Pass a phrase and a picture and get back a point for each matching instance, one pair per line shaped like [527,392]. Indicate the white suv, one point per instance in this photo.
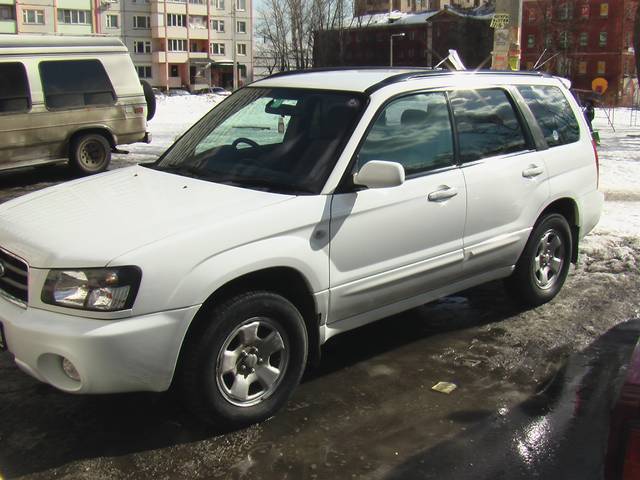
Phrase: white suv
[302,206]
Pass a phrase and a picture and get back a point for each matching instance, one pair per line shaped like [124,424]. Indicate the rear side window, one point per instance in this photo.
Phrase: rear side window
[14,88]
[75,84]
[414,131]
[553,113]
[487,124]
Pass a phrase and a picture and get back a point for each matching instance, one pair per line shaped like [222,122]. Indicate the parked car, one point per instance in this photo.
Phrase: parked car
[214,90]
[69,98]
[304,206]
[178,92]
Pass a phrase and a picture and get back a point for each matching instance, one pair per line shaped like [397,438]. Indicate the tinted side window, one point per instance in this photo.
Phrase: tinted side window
[553,113]
[414,131]
[487,124]
[14,88]
[75,83]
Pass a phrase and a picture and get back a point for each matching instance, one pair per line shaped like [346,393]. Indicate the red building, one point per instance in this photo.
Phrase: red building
[428,36]
[583,40]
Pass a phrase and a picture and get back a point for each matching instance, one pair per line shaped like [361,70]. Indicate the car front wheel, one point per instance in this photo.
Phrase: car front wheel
[241,366]
[544,264]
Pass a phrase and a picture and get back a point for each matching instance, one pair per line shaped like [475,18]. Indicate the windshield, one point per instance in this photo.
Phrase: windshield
[280,140]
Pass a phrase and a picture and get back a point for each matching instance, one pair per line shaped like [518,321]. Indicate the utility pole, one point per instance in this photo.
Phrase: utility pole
[507,25]
[391,46]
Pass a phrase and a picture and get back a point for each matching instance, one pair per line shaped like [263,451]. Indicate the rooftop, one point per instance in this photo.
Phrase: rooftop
[35,43]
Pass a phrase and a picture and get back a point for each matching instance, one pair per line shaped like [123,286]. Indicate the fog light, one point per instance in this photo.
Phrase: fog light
[70,370]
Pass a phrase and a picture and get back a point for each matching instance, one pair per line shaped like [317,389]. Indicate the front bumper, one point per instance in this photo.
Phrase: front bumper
[133,354]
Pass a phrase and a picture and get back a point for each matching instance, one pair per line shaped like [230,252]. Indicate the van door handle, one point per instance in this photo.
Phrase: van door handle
[532,171]
[443,193]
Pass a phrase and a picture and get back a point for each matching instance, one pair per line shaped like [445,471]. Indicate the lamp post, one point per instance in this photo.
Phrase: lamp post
[391,46]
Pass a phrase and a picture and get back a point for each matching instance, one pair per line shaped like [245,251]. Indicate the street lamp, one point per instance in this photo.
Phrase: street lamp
[391,46]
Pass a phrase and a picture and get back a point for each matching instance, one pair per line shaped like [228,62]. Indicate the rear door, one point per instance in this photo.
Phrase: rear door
[389,245]
[506,178]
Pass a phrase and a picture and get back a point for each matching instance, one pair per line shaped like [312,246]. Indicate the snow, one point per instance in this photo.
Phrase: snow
[619,154]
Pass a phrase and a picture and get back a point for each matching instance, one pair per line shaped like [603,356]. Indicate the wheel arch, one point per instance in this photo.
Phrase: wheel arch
[285,281]
[100,130]
[568,208]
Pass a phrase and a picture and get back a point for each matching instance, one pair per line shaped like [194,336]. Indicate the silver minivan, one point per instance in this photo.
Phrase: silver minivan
[69,98]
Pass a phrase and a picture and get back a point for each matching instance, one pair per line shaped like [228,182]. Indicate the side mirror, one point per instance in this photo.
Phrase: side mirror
[380,174]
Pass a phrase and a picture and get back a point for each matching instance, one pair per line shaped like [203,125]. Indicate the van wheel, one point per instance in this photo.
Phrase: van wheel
[150,98]
[245,362]
[544,264]
[90,153]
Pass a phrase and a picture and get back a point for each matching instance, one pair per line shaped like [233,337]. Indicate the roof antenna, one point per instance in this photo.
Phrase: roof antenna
[454,59]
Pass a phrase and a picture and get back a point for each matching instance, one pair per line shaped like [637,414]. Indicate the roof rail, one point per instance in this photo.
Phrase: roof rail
[403,77]
[339,69]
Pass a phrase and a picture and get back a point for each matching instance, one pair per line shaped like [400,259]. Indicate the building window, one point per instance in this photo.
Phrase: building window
[241,27]
[549,12]
[74,17]
[217,48]
[142,22]
[604,9]
[582,68]
[242,71]
[175,45]
[564,66]
[197,2]
[217,26]
[242,48]
[565,11]
[584,11]
[601,67]
[548,40]
[6,12]
[144,71]
[33,17]
[564,39]
[173,71]
[219,4]
[531,40]
[112,21]
[241,5]
[197,21]
[174,20]
[532,15]
[602,39]
[583,39]
[141,46]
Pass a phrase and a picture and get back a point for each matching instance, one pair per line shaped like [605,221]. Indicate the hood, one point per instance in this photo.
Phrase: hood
[88,222]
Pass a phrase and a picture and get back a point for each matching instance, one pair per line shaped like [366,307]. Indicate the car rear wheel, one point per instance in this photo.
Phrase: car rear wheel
[243,364]
[90,153]
[543,266]
[150,98]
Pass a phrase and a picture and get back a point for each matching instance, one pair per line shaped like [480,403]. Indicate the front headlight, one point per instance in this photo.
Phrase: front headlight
[102,289]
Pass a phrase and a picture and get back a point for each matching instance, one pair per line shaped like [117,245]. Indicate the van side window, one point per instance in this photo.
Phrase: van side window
[414,131]
[14,88]
[553,113]
[75,84]
[487,124]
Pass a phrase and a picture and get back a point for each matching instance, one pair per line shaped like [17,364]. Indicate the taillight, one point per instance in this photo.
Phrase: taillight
[138,110]
[595,152]
[631,467]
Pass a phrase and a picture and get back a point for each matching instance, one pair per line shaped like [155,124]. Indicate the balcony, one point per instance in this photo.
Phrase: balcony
[170,57]
[7,2]
[7,26]
[198,34]
[199,55]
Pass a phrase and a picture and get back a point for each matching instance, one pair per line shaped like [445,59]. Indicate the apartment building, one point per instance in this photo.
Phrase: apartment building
[583,40]
[173,43]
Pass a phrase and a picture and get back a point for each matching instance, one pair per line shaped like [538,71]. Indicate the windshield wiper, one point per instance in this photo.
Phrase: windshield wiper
[184,170]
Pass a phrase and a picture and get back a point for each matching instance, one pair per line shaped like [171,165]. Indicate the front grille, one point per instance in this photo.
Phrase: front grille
[14,274]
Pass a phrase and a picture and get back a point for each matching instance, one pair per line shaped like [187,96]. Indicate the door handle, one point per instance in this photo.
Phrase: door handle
[443,193]
[532,171]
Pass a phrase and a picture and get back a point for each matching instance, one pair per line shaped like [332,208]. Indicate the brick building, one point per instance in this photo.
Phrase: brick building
[587,39]
[173,43]
[428,36]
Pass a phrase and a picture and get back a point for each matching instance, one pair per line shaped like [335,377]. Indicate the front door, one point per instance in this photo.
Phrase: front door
[389,245]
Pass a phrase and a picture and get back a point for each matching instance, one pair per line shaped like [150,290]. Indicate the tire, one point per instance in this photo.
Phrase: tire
[229,371]
[544,264]
[150,98]
[90,153]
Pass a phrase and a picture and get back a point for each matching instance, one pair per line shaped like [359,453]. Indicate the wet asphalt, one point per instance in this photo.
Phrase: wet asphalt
[534,391]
